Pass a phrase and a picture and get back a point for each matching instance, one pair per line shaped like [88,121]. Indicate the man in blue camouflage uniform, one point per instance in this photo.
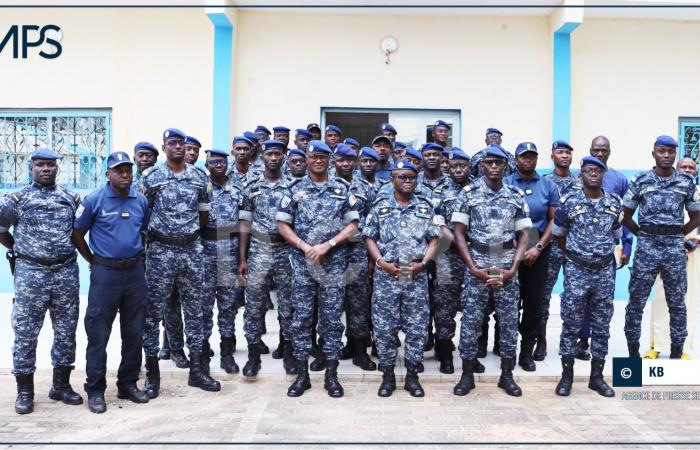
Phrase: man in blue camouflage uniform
[220,242]
[491,216]
[267,265]
[587,225]
[660,194]
[255,160]
[401,233]
[368,162]
[357,292]
[383,146]
[45,275]
[241,172]
[178,200]
[295,164]
[333,136]
[563,179]
[145,156]
[493,137]
[399,151]
[317,217]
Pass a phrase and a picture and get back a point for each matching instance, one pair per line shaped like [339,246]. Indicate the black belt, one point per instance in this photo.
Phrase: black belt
[118,263]
[661,230]
[47,261]
[486,248]
[218,234]
[183,241]
[588,263]
[264,237]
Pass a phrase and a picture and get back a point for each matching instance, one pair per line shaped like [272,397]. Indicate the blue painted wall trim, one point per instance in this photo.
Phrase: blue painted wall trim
[561,110]
[223,74]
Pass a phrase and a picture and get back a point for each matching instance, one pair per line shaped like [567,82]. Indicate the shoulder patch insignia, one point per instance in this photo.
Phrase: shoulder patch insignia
[384,210]
[337,190]
[285,201]
[15,198]
[352,200]
[79,211]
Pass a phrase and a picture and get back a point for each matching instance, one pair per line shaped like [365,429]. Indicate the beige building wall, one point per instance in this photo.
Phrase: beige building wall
[497,70]
[631,80]
[153,67]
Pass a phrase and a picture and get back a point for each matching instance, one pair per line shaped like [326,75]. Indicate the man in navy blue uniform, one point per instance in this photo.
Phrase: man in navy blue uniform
[114,215]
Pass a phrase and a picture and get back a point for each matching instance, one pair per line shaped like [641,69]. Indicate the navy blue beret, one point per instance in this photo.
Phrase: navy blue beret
[333,128]
[262,128]
[146,146]
[217,152]
[442,123]
[192,141]
[281,129]
[45,153]
[366,151]
[588,160]
[402,164]
[399,144]
[525,147]
[665,141]
[496,150]
[297,152]
[318,147]
[457,153]
[269,145]
[117,159]
[560,143]
[431,146]
[493,131]
[351,141]
[387,127]
[344,150]
[252,136]
[304,132]
[244,139]
[410,151]
[171,133]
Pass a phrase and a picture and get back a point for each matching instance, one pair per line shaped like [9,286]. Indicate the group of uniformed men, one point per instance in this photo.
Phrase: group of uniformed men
[394,237]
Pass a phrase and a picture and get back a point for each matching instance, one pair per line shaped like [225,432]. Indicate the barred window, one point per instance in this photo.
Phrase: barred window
[689,138]
[81,137]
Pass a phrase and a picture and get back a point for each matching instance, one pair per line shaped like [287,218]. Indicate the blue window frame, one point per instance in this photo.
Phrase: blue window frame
[689,138]
[82,137]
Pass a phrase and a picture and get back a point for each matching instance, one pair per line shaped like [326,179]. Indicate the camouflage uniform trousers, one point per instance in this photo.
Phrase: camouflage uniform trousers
[475,298]
[400,304]
[664,255]
[221,286]
[592,290]
[450,276]
[556,260]
[172,321]
[268,268]
[38,289]
[357,296]
[169,267]
[321,284]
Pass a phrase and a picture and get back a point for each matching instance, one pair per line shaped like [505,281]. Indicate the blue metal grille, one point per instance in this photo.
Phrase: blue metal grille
[83,138]
[690,138]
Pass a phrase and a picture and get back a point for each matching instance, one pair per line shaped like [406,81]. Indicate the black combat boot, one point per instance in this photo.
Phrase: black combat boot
[430,342]
[316,347]
[61,389]
[264,349]
[288,363]
[252,367]
[228,363]
[165,349]
[633,349]
[179,358]
[96,402]
[24,403]
[199,376]
[496,340]
[411,384]
[567,376]
[388,385]
[330,380]
[478,367]
[466,381]
[506,381]
[278,353]
[597,382]
[347,351]
[207,353]
[676,351]
[152,384]
[319,363]
[302,382]
[483,340]
[360,358]
[582,350]
[541,348]
[525,359]
[443,352]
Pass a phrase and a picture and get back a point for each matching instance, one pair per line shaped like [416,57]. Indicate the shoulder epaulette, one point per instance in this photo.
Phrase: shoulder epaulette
[342,181]
[471,187]
[516,189]
[294,182]
[687,175]
[638,175]
[148,171]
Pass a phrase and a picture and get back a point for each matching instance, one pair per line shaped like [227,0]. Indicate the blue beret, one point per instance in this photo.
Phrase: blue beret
[387,127]
[216,152]
[281,129]
[367,151]
[410,151]
[313,126]
[262,128]
[399,144]
[525,147]
[665,141]
[402,164]
[431,146]
[146,146]
[344,150]
[351,141]
[296,151]
[588,160]
[117,159]
[252,136]
[269,145]
[45,153]
[171,133]
[245,140]
[333,128]
[457,153]
[496,150]
[382,138]
[442,123]
[192,141]
[561,144]
[493,131]
[304,132]
[318,147]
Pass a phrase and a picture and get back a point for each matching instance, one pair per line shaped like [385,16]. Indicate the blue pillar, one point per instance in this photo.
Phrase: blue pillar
[223,61]
[561,111]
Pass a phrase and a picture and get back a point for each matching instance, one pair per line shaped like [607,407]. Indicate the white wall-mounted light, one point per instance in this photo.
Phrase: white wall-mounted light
[389,45]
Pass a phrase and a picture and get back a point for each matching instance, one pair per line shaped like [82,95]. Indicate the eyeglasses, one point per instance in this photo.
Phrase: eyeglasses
[592,171]
[319,157]
[218,162]
[493,162]
[174,143]
[406,178]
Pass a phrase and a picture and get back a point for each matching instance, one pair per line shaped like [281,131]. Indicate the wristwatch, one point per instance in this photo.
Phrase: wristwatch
[332,243]
[539,247]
